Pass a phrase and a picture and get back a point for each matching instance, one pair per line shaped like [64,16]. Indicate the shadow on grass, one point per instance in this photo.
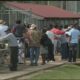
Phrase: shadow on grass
[77,64]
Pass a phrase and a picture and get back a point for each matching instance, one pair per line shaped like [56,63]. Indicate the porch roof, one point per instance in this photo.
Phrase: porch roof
[44,11]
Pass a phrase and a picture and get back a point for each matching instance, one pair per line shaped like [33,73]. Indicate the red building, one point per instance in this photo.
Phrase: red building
[41,15]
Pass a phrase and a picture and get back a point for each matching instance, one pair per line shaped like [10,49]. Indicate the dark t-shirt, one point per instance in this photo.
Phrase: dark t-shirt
[19,28]
[45,41]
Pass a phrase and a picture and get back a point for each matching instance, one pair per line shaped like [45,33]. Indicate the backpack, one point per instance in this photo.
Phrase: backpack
[45,41]
[36,36]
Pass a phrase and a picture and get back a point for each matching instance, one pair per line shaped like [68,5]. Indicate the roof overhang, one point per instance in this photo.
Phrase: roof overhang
[27,12]
[41,13]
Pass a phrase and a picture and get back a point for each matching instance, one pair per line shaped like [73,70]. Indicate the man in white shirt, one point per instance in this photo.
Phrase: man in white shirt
[74,36]
[51,46]
[3,27]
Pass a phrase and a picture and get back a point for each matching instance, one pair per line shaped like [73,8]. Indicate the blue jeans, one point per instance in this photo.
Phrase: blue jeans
[72,52]
[64,51]
[34,54]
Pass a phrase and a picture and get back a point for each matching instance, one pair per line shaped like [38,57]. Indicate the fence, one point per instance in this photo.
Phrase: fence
[10,15]
[26,16]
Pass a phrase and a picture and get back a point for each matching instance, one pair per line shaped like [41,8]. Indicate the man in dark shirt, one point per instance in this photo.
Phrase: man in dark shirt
[18,29]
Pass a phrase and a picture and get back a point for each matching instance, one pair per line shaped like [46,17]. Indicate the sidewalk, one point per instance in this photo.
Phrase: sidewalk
[25,69]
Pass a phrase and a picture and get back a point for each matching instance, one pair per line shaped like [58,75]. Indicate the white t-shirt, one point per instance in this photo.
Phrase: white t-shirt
[74,33]
[3,28]
[50,36]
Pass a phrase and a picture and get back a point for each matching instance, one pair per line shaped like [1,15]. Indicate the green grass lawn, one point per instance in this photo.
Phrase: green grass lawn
[68,71]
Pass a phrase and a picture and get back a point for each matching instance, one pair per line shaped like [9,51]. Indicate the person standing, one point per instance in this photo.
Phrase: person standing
[44,47]
[50,45]
[27,53]
[74,37]
[34,36]
[3,27]
[63,45]
[13,45]
[18,29]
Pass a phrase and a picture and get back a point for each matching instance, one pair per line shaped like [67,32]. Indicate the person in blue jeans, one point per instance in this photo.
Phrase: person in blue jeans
[73,52]
[64,48]
[74,37]
[34,55]
[34,36]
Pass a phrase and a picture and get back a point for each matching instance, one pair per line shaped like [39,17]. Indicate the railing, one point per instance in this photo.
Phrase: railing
[13,14]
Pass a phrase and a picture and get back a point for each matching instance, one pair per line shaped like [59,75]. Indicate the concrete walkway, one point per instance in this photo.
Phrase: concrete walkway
[25,69]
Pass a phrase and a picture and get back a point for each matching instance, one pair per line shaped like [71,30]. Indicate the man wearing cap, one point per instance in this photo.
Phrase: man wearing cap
[13,45]
[34,37]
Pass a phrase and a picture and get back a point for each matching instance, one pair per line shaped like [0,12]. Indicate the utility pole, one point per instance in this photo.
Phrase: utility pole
[48,2]
[2,12]
[30,15]
[64,5]
[9,16]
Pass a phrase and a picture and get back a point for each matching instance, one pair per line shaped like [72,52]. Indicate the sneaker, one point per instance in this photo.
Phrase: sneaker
[13,69]
[20,63]
[35,64]
[43,63]
[53,60]
[31,64]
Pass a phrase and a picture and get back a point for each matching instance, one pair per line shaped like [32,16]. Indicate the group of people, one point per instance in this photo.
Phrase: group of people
[67,39]
[46,42]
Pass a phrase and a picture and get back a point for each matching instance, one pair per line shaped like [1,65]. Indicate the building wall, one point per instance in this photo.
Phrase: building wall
[71,6]
[78,6]
[54,3]
[29,19]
